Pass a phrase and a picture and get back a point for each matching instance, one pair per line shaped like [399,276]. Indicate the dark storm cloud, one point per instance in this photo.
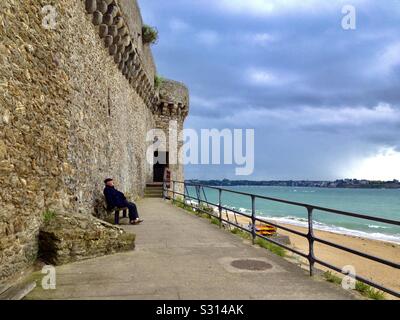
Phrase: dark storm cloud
[288,68]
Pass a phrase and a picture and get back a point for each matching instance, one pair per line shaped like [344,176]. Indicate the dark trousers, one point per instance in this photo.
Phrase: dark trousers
[133,213]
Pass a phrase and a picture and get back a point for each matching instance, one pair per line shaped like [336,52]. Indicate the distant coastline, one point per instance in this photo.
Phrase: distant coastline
[343,183]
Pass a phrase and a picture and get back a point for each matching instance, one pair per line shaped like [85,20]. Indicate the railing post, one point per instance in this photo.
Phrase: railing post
[164,190]
[173,191]
[184,193]
[220,207]
[188,196]
[198,196]
[253,218]
[198,200]
[310,237]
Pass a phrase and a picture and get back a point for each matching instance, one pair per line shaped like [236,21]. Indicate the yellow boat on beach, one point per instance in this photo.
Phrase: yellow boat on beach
[266,230]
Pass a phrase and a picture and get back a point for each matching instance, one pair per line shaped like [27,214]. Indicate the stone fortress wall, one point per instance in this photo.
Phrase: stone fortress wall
[76,103]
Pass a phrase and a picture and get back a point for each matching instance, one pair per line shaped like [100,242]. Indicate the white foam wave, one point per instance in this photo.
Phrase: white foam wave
[302,222]
[372,226]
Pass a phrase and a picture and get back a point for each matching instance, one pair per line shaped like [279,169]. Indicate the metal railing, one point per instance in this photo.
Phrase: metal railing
[310,236]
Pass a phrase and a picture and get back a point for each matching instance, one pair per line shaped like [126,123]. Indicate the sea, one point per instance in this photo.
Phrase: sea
[383,203]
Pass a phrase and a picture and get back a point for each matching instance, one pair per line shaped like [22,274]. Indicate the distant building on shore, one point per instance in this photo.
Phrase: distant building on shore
[343,183]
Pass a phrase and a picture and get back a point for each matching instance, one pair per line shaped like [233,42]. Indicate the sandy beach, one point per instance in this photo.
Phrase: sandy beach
[366,268]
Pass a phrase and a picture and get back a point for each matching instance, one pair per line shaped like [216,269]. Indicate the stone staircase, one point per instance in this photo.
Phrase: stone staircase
[153,190]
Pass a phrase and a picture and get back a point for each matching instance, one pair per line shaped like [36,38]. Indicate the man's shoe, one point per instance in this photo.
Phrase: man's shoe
[137,221]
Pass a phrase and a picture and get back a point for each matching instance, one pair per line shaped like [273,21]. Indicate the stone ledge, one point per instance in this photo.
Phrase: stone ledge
[18,292]
[73,237]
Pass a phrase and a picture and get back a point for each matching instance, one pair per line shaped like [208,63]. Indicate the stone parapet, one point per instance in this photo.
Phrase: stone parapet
[173,100]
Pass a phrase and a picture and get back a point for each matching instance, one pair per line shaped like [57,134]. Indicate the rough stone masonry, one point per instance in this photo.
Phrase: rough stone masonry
[76,101]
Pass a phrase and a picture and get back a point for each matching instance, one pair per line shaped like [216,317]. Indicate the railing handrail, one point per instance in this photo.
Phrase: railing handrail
[309,236]
[300,204]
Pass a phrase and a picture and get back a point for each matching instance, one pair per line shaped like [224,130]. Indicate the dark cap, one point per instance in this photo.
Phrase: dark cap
[108,180]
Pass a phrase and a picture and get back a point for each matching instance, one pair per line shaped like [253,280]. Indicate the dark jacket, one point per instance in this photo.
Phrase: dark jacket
[114,198]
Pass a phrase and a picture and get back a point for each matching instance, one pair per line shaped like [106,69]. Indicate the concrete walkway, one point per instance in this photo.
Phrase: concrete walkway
[181,256]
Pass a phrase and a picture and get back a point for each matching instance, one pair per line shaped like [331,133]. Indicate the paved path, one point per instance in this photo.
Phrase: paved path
[181,256]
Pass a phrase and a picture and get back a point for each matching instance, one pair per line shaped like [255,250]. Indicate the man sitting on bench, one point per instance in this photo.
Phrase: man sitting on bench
[116,199]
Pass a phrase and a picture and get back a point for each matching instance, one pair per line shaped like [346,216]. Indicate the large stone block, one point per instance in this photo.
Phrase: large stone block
[66,238]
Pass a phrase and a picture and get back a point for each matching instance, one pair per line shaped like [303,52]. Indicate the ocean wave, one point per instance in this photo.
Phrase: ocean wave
[303,190]
[242,210]
[372,226]
[302,222]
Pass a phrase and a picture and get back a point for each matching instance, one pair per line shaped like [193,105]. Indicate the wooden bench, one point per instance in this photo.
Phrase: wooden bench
[116,212]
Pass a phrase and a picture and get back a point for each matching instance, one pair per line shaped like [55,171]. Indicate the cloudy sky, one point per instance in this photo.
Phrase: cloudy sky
[324,101]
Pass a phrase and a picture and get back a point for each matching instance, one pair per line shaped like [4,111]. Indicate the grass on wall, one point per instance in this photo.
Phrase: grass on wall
[158,80]
[48,215]
[149,34]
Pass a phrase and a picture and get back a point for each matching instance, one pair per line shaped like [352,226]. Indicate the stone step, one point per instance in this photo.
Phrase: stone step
[153,189]
[154,185]
[18,292]
[153,195]
[153,192]
[156,194]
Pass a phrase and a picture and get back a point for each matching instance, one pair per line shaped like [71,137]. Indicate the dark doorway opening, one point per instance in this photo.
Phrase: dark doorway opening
[159,168]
